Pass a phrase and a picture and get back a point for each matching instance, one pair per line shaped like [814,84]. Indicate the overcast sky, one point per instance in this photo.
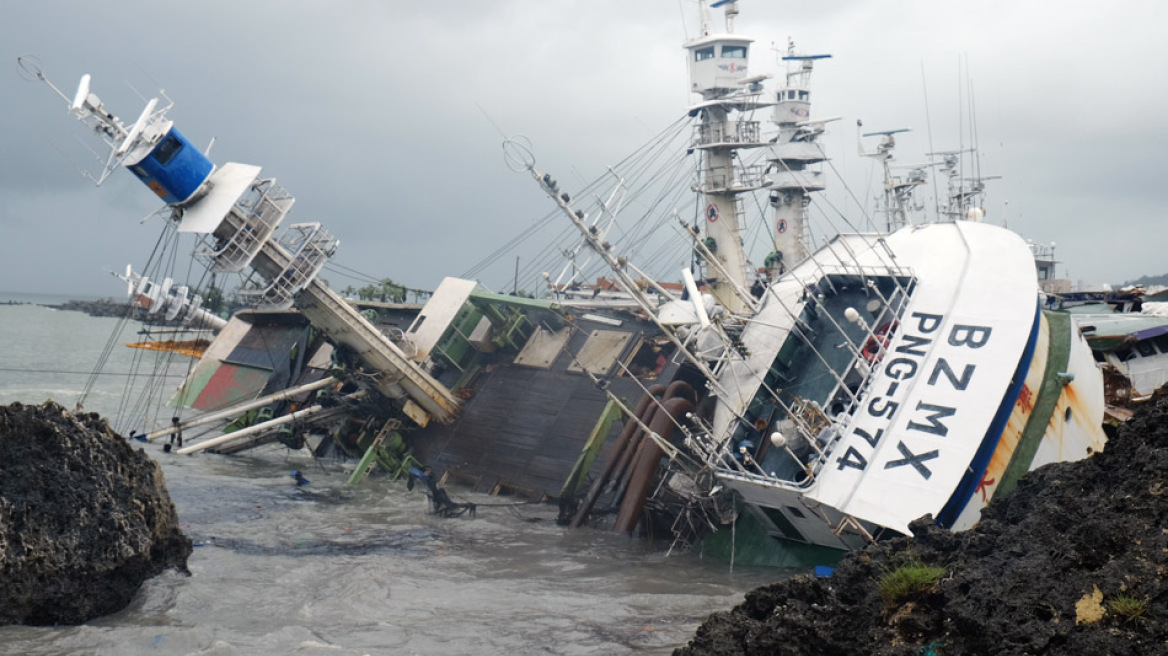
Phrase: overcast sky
[383,118]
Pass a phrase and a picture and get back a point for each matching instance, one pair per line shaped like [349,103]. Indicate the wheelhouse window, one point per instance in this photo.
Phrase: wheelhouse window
[702,54]
[1161,342]
[167,150]
[733,52]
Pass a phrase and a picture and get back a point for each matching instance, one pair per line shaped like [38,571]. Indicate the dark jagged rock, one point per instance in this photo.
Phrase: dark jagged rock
[105,307]
[1074,561]
[108,307]
[84,518]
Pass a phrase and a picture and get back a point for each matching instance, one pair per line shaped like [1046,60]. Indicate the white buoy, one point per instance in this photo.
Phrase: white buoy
[778,440]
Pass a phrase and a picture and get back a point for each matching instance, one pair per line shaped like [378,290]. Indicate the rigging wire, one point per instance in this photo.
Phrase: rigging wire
[635,167]
[929,129]
[103,357]
[973,127]
[634,237]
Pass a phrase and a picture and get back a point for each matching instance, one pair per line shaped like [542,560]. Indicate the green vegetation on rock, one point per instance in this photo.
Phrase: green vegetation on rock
[907,582]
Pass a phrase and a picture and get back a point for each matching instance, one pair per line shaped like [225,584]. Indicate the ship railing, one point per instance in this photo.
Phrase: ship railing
[764,479]
[1041,251]
[728,463]
[735,132]
[254,218]
[802,180]
[819,424]
[853,383]
[728,179]
[845,264]
[728,458]
[312,246]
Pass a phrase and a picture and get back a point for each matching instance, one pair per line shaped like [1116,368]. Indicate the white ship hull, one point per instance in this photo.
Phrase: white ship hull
[950,385]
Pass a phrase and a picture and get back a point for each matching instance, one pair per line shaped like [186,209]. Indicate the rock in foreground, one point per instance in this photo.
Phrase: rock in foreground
[84,518]
[1074,561]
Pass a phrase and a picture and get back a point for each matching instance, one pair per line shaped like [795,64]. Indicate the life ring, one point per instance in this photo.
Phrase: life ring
[874,347]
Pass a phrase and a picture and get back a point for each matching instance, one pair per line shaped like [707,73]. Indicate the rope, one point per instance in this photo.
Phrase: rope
[643,168]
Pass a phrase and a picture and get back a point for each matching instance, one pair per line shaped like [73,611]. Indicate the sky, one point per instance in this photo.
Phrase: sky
[385,119]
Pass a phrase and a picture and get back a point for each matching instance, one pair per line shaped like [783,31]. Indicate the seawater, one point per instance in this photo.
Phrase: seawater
[332,569]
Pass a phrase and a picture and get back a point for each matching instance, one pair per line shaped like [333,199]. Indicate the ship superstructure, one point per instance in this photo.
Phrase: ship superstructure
[719,71]
[897,201]
[885,377]
[881,377]
[237,214]
[793,154]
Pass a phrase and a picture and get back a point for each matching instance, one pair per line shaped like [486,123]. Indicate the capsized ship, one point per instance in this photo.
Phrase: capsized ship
[835,397]
[498,392]
[895,376]
[883,378]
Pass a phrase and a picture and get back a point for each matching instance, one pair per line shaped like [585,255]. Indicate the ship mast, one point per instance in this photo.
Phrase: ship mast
[236,212]
[897,200]
[719,72]
[964,192]
[793,152]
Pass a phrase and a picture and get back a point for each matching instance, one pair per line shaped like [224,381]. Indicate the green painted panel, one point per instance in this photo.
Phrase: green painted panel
[1044,404]
[752,546]
[230,384]
[194,385]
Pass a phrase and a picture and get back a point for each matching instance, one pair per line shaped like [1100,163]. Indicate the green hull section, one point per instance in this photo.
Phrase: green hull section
[752,546]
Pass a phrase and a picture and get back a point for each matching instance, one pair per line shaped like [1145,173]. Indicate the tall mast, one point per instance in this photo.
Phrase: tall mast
[898,190]
[236,213]
[964,192]
[793,152]
[719,71]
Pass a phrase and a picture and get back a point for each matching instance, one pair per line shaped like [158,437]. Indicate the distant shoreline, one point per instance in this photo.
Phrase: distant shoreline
[47,299]
[104,307]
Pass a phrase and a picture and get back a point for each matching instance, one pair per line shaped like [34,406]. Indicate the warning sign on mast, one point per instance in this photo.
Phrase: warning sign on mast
[711,212]
[782,226]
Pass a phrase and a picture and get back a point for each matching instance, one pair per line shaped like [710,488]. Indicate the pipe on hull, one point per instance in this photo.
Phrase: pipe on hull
[647,460]
[678,388]
[621,451]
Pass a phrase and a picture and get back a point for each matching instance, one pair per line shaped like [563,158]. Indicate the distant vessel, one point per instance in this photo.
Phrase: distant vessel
[834,396]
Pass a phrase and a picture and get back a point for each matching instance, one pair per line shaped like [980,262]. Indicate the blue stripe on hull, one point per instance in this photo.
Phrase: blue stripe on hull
[977,466]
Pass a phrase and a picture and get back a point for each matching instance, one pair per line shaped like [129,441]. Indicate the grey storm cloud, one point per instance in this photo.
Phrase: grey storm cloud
[384,119]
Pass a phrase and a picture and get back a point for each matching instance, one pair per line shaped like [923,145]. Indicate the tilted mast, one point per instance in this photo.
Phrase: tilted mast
[236,212]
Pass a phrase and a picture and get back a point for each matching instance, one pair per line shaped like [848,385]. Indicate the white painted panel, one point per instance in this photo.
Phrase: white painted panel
[228,183]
